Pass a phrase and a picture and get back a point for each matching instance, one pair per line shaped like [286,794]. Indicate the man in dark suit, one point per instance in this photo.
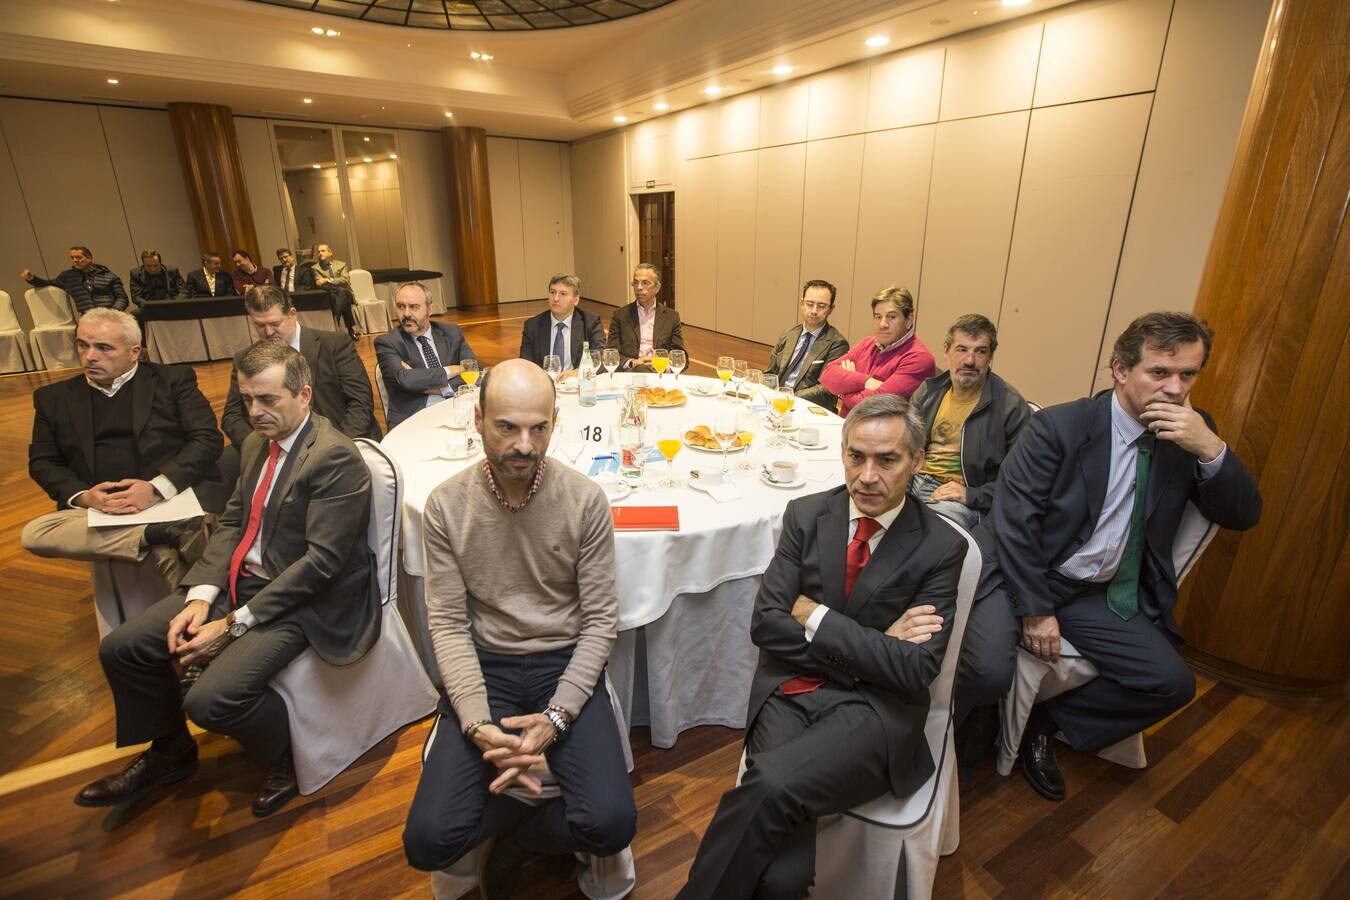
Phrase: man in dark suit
[289,568]
[644,326]
[286,274]
[152,280]
[803,350]
[420,361]
[118,438]
[849,625]
[342,392]
[562,330]
[1086,509]
[209,281]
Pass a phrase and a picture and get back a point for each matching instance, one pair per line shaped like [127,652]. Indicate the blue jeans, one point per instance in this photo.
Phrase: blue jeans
[921,488]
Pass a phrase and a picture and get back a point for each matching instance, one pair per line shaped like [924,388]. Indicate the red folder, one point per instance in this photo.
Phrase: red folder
[646,518]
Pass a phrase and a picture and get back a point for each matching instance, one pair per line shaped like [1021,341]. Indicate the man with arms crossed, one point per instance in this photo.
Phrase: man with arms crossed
[644,326]
[1086,510]
[849,622]
[803,351]
[419,361]
[523,611]
[289,568]
[561,331]
[891,361]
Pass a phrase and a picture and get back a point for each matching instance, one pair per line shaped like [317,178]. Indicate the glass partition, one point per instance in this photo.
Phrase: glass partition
[376,200]
[313,190]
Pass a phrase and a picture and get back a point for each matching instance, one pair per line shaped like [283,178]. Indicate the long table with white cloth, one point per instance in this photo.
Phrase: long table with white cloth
[193,329]
[684,656]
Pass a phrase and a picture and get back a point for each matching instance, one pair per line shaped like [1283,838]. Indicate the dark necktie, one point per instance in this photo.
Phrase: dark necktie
[558,351]
[790,374]
[288,278]
[1122,595]
[429,353]
[255,514]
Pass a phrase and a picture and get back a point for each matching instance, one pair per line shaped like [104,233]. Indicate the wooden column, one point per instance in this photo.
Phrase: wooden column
[213,171]
[1273,605]
[466,180]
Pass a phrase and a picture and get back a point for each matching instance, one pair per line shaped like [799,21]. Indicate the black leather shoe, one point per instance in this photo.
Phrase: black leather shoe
[1037,754]
[278,788]
[144,772]
[500,867]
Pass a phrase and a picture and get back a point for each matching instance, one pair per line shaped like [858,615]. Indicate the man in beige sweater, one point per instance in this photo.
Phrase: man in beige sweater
[523,610]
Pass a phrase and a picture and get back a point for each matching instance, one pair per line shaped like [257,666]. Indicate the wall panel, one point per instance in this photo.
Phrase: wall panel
[905,89]
[422,174]
[782,114]
[838,103]
[737,190]
[541,192]
[778,240]
[738,124]
[650,154]
[508,238]
[1103,51]
[696,133]
[991,73]
[1080,169]
[18,243]
[599,218]
[696,242]
[830,214]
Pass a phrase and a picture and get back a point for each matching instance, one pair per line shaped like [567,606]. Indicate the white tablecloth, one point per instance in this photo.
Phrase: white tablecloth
[689,591]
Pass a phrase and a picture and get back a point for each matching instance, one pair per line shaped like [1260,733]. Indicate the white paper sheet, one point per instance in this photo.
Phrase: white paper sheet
[183,505]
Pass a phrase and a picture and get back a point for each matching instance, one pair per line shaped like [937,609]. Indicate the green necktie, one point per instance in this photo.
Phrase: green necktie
[1122,596]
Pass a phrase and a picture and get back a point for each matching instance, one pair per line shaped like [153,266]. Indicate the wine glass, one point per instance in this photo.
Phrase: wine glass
[678,361]
[669,447]
[553,366]
[725,365]
[725,431]
[768,390]
[753,379]
[747,424]
[660,362]
[783,401]
[469,370]
[739,369]
[609,358]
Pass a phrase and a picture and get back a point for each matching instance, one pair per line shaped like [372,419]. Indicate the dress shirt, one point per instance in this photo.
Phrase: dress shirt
[161,483]
[295,338]
[211,281]
[288,278]
[885,520]
[790,378]
[553,324]
[253,563]
[646,326]
[1099,557]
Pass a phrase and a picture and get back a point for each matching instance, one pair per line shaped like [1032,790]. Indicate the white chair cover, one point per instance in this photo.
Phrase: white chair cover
[1036,680]
[13,342]
[52,339]
[338,713]
[124,590]
[371,311]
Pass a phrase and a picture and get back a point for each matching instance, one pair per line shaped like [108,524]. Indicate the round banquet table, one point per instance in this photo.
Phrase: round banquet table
[684,656]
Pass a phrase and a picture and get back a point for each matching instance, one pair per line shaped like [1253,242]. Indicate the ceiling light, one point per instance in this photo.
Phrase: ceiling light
[449,115]
[307,100]
[879,40]
[475,55]
[316,30]
[661,106]
[1016,2]
[366,159]
[619,120]
[782,70]
[393,156]
[316,166]
[712,90]
[331,33]
[366,139]
[113,81]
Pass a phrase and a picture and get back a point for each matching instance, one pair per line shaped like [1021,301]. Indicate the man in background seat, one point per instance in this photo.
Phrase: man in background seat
[644,326]
[804,350]
[209,281]
[89,284]
[419,361]
[561,330]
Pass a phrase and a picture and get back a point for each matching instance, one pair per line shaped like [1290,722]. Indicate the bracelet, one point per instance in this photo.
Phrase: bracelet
[558,717]
[473,729]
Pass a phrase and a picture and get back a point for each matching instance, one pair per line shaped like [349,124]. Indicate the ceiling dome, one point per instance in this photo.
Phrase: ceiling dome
[477,15]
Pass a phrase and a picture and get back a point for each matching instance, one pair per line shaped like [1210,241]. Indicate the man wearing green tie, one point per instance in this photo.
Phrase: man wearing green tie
[1086,510]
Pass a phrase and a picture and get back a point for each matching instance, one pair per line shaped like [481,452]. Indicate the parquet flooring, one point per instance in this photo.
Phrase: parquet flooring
[1247,794]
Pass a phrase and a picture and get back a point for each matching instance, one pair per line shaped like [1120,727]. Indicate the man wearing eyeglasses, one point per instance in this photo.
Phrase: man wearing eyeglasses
[803,351]
[644,326]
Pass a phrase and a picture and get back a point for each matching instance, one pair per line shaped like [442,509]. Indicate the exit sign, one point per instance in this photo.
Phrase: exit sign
[651,183]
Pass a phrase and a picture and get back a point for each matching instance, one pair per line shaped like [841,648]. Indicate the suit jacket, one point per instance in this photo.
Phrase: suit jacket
[1052,487]
[918,561]
[176,433]
[340,272]
[166,285]
[314,542]
[625,335]
[195,285]
[407,387]
[536,338]
[829,345]
[300,274]
[342,393]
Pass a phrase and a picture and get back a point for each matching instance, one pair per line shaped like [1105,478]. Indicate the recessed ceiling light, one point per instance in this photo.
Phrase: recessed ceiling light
[782,70]
[113,81]
[316,166]
[366,159]
[712,90]
[1016,2]
[449,115]
[316,30]
[619,120]
[393,156]
[661,106]
[331,33]
[308,100]
[366,139]
[475,55]
[879,40]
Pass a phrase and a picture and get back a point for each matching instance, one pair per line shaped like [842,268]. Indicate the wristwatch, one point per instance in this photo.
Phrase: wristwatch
[234,627]
[556,716]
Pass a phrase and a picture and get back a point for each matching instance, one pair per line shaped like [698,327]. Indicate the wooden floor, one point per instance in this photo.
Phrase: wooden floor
[1247,794]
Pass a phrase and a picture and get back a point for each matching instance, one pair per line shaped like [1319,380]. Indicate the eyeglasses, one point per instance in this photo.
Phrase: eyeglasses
[641,283]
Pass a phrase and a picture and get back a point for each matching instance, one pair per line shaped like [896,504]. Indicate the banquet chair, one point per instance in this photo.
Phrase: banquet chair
[890,846]
[53,336]
[371,312]
[1036,681]
[337,713]
[13,342]
[124,590]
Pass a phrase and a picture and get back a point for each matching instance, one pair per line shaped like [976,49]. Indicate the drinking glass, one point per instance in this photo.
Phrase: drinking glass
[609,358]
[753,379]
[469,371]
[553,366]
[669,447]
[739,369]
[725,365]
[660,362]
[747,424]
[725,431]
[768,391]
[678,361]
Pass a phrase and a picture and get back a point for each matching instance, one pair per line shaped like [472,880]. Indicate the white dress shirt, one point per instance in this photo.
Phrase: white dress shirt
[160,482]
[885,520]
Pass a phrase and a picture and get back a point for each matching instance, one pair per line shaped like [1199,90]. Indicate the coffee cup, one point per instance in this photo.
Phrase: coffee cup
[782,471]
[809,437]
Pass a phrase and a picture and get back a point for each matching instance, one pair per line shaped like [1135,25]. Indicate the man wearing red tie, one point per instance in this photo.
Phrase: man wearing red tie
[289,568]
[849,622]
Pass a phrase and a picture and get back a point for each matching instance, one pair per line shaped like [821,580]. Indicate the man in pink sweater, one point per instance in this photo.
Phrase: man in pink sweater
[892,361]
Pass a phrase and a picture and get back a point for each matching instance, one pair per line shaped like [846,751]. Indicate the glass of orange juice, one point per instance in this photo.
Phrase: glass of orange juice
[660,361]
[669,447]
[469,370]
[725,366]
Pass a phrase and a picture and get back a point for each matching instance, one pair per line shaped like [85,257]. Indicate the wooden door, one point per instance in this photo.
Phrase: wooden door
[656,239]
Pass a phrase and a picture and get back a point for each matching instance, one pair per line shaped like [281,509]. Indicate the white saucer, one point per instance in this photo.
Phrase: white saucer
[616,491]
[568,386]
[823,445]
[782,485]
[704,390]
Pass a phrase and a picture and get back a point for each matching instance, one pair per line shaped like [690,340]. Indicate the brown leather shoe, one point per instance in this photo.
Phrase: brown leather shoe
[144,772]
[278,788]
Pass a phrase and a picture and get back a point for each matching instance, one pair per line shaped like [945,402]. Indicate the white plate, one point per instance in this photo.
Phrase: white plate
[736,449]
[782,485]
[615,490]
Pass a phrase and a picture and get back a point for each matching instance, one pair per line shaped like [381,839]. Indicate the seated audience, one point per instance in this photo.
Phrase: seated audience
[644,326]
[849,622]
[152,280]
[1086,510]
[972,416]
[209,281]
[286,274]
[119,437]
[521,634]
[803,351]
[561,331]
[341,388]
[88,283]
[247,273]
[252,604]
[419,361]
[891,361]
[331,275]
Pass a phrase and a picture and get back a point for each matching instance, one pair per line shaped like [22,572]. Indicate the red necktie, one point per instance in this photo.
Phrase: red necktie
[255,513]
[857,555]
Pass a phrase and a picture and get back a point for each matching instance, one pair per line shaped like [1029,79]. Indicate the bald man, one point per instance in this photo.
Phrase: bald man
[521,637]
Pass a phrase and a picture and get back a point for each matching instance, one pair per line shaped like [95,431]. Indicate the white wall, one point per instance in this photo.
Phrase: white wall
[531,186]
[1060,174]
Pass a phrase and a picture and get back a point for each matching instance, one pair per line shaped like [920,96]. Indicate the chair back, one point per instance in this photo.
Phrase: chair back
[1194,533]
[383,390]
[363,286]
[8,321]
[386,514]
[49,306]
